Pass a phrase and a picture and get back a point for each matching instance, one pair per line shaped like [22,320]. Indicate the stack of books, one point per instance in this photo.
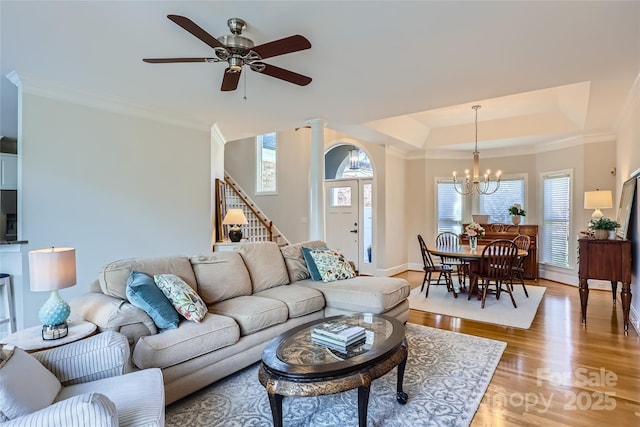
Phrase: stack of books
[338,335]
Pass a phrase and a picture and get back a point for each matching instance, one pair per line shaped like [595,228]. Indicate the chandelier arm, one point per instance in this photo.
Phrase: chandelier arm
[485,188]
[469,189]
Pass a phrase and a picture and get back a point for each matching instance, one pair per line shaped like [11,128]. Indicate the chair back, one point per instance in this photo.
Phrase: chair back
[498,259]
[426,256]
[448,240]
[522,242]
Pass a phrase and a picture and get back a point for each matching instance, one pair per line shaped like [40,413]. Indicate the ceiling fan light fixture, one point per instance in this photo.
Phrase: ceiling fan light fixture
[235,64]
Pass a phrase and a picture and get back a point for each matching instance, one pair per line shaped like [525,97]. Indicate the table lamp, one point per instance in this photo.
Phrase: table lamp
[597,200]
[50,270]
[235,218]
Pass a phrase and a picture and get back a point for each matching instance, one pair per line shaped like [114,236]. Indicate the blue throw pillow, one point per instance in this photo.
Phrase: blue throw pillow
[311,264]
[143,292]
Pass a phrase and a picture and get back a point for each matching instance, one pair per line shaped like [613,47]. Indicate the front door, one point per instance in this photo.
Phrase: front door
[342,218]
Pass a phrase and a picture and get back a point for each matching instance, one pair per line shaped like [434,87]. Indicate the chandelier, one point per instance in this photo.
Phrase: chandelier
[472,184]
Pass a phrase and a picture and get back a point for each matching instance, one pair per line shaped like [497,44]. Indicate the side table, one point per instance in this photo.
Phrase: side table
[30,339]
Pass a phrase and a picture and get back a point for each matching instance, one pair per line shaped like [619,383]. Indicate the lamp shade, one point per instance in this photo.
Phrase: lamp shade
[51,269]
[234,217]
[598,199]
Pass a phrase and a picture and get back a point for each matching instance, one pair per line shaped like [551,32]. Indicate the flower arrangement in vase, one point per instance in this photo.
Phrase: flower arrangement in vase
[516,212]
[474,231]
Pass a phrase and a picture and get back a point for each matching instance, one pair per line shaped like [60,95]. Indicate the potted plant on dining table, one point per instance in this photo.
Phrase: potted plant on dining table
[474,231]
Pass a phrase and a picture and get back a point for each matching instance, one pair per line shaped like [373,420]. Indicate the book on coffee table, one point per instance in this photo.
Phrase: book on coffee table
[345,349]
[339,331]
[321,337]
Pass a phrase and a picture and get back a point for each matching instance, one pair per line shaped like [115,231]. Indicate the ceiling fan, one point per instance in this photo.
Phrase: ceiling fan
[238,51]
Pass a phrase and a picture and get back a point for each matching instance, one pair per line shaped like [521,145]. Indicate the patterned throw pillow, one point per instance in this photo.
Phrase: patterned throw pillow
[186,301]
[311,264]
[332,265]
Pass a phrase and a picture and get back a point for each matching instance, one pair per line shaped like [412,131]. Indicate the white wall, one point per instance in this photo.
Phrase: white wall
[110,185]
[628,161]
[288,209]
[394,245]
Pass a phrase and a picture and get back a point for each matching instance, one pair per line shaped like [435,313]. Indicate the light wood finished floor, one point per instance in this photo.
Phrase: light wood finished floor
[557,373]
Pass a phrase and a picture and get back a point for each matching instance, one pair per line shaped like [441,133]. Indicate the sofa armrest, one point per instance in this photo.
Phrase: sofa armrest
[90,409]
[100,356]
[113,314]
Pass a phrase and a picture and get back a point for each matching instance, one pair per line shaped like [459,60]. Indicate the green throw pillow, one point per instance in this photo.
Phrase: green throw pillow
[143,292]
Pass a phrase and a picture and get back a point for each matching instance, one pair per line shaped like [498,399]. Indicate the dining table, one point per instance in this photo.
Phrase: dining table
[472,256]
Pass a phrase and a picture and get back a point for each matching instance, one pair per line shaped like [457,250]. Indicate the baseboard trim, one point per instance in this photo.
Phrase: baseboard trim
[392,271]
[634,319]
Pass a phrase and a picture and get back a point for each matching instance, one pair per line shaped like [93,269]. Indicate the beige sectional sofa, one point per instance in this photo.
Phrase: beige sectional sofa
[252,294]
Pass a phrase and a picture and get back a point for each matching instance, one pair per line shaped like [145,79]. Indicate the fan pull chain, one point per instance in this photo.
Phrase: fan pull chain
[245,86]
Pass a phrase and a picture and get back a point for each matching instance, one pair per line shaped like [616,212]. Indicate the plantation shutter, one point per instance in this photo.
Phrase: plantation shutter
[449,208]
[556,216]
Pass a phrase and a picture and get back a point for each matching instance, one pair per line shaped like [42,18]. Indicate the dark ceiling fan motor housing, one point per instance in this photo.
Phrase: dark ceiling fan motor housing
[238,51]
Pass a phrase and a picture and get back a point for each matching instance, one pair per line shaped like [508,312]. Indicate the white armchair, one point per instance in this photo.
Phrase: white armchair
[84,383]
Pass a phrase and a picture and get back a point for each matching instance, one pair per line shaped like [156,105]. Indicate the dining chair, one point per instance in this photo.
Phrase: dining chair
[517,272]
[450,240]
[444,271]
[496,264]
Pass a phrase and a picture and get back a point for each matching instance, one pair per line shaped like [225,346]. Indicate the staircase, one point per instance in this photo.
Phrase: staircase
[229,195]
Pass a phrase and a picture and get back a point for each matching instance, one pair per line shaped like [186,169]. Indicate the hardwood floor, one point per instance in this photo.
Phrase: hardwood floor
[557,373]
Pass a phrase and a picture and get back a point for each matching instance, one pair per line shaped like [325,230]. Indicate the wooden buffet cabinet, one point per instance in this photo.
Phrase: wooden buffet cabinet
[605,260]
[509,232]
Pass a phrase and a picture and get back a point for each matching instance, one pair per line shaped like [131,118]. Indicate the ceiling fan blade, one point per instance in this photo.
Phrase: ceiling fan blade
[194,29]
[282,74]
[230,80]
[282,46]
[170,60]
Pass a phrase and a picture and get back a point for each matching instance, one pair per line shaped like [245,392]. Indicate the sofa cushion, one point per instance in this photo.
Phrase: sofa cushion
[294,259]
[300,300]
[221,275]
[113,276]
[252,313]
[185,299]
[363,293]
[331,265]
[265,264]
[25,385]
[138,397]
[189,341]
[143,292]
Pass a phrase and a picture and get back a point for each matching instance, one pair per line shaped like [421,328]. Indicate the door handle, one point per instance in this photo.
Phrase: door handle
[353,231]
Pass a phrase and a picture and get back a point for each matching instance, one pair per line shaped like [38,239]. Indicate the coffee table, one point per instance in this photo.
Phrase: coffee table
[293,365]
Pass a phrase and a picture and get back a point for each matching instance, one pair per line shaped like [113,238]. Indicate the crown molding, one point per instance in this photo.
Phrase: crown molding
[112,104]
[395,152]
[217,135]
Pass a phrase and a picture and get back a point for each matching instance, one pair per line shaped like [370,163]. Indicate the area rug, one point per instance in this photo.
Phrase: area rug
[446,377]
[498,312]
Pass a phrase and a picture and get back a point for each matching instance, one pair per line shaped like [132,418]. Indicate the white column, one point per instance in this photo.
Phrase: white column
[316,180]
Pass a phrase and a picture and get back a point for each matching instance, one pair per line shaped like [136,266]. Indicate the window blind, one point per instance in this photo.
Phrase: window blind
[449,208]
[556,219]
[496,205]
